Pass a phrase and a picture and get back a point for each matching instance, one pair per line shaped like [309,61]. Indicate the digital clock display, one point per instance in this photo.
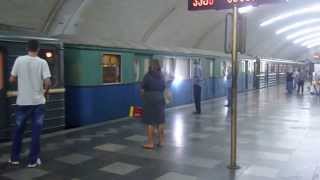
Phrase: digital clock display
[225,4]
[201,4]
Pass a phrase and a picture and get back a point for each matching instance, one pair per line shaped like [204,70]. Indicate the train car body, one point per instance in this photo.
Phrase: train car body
[52,51]
[97,83]
[102,82]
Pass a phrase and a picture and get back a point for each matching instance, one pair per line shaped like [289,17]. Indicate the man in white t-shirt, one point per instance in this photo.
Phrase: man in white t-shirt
[33,76]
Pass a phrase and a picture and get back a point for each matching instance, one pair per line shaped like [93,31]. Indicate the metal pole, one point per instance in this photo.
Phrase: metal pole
[233,157]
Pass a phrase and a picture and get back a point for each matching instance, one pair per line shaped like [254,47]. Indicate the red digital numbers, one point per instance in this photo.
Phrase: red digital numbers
[239,1]
[200,3]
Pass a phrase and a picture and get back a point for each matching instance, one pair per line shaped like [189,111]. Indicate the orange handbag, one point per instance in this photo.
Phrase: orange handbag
[136,112]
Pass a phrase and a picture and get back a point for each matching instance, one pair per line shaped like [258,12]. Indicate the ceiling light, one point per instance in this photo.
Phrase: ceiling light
[297,25]
[310,9]
[307,43]
[306,38]
[313,45]
[303,32]
[246,9]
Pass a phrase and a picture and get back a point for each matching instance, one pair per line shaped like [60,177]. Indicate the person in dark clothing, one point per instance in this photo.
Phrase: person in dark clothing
[197,80]
[152,91]
[301,77]
[289,82]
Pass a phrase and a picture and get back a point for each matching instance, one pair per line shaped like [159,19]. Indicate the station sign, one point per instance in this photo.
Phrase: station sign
[194,5]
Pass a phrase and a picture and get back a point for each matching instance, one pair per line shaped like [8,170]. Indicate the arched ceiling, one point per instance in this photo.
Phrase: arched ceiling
[165,23]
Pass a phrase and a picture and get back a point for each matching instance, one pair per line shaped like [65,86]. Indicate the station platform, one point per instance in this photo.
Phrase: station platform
[278,138]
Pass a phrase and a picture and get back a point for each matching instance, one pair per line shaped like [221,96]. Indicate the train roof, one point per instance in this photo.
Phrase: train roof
[142,46]
[23,37]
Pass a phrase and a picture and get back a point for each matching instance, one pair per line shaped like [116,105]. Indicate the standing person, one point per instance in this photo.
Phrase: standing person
[152,90]
[295,79]
[301,78]
[229,87]
[197,80]
[289,82]
[33,76]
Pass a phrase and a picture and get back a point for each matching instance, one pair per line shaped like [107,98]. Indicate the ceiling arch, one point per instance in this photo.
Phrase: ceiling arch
[165,23]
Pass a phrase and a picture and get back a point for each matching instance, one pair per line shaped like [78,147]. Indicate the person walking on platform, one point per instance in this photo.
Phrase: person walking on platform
[289,82]
[152,92]
[197,81]
[301,78]
[33,76]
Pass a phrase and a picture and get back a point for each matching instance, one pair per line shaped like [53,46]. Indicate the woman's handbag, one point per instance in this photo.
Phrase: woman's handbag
[136,112]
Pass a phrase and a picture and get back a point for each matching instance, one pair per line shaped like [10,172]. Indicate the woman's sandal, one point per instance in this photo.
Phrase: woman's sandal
[150,147]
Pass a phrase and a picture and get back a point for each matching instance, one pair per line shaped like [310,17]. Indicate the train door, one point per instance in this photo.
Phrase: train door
[277,73]
[3,106]
[52,52]
[267,74]
[255,67]
[246,70]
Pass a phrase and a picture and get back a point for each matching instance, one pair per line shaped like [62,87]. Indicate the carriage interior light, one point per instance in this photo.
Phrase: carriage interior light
[297,25]
[303,32]
[49,54]
[311,9]
[177,80]
[246,9]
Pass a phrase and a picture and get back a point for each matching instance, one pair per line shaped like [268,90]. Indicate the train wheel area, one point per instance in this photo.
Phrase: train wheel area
[277,140]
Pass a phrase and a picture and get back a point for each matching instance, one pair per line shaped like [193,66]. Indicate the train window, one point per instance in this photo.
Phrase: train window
[251,67]
[52,57]
[211,68]
[206,68]
[169,68]
[136,69]
[263,67]
[181,69]
[111,67]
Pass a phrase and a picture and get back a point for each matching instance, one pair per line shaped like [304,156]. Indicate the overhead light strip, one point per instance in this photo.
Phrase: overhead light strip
[306,38]
[307,43]
[297,25]
[313,45]
[311,9]
[303,32]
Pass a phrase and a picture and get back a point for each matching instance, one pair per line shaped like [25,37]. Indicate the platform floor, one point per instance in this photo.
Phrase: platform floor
[279,138]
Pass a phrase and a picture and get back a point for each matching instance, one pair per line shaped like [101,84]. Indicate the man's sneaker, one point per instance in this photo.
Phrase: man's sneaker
[13,162]
[38,163]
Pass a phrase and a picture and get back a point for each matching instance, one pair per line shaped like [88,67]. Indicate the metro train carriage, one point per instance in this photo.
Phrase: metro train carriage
[103,81]
[52,51]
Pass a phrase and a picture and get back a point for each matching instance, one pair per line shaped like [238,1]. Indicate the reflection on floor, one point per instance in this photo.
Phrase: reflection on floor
[279,138]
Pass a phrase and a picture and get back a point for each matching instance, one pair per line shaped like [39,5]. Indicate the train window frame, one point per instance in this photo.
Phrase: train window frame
[136,69]
[119,68]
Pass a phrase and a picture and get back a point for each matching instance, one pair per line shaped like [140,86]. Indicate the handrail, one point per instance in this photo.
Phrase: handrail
[51,91]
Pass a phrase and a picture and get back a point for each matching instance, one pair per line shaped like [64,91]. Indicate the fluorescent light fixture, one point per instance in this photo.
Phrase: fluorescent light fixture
[313,45]
[311,9]
[306,38]
[307,43]
[246,9]
[303,32]
[297,25]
